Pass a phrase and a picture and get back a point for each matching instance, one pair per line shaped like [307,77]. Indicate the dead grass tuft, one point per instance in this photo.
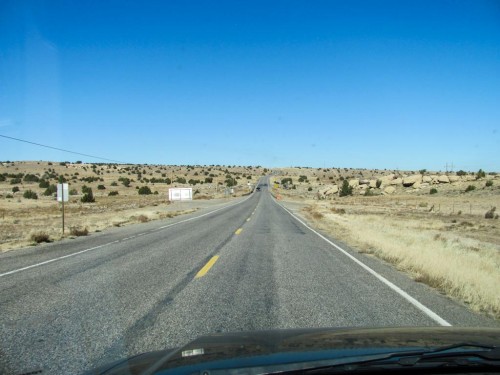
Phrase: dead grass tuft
[142,219]
[75,231]
[40,237]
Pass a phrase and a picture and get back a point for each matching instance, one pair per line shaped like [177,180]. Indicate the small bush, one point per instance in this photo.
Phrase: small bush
[480,174]
[490,214]
[461,173]
[346,189]
[144,190]
[378,184]
[9,196]
[43,184]
[101,187]
[15,189]
[75,231]
[50,190]
[112,193]
[15,181]
[114,183]
[40,237]
[30,194]
[369,193]
[470,188]
[309,188]
[489,183]
[31,178]
[433,191]
[73,192]
[88,197]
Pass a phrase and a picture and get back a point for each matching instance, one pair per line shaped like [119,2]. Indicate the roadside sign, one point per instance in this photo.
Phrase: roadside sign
[180,194]
[62,192]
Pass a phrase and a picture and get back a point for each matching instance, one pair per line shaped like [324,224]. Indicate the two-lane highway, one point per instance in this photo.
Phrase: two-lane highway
[248,266]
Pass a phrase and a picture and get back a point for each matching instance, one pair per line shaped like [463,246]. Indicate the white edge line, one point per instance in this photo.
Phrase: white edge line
[116,241]
[431,314]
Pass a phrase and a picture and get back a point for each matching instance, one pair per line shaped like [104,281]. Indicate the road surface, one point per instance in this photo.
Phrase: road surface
[67,307]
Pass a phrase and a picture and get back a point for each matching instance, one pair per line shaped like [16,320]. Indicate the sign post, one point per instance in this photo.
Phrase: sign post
[62,196]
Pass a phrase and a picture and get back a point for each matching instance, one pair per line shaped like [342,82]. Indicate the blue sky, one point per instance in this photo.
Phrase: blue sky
[369,84]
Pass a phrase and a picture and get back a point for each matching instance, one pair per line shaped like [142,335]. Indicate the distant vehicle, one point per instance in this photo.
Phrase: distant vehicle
[258,188]
[332,350]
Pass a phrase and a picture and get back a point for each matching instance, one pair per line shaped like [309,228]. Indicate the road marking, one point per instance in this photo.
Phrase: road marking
[117,241]
[51,260]
[248,219]
[206,267]
[431,314]
[238,231]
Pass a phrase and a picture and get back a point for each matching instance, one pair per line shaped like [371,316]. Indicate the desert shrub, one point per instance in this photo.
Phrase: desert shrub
[156,192]
[15,189]
[302,178]
[2,178]
[208,180]
[31,178]
[470,188]
[489,183]
[73,192]
[43,184]
[345,189]
[112,193]
[9,196]
[433,191]
[125,181]
[75,231]
[101,187]
[30,194]
[286,180]
[230,182]
[461,173]
[480,174]
[50,190]
[378,184]
[88,197]
[144,190]
[114,183]
[180,180]
[490,214]
[422,171]
[40,237]
[14,181]
[309,188]
[369,193]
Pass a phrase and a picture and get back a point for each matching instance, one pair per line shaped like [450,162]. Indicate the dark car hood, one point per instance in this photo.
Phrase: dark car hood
[264,348]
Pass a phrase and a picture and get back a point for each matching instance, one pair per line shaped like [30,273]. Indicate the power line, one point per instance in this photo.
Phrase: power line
[61,149]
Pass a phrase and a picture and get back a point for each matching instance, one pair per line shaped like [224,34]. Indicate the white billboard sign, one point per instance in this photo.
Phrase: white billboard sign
[180,194]
[62,192]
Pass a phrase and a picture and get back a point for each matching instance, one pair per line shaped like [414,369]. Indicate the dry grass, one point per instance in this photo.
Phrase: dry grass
[461,258]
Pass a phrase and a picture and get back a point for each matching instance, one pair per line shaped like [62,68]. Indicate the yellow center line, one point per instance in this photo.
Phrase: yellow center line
[207,267]
[238,231]
[248,219]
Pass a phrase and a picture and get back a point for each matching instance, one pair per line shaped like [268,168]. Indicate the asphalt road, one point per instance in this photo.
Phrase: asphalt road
[70,306]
